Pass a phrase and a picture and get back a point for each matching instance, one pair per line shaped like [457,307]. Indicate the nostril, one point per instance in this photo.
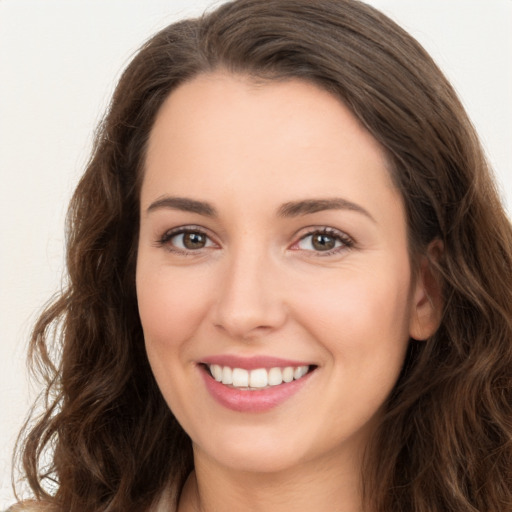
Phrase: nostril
[244,329]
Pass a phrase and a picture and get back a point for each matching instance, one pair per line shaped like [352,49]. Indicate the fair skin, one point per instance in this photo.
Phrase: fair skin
[271,228]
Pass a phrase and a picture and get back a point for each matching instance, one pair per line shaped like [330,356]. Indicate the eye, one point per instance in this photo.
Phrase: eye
[190,240]
[325,240]
[185,240]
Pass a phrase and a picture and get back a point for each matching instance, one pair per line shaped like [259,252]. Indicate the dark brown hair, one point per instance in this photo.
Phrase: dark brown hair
[445,442]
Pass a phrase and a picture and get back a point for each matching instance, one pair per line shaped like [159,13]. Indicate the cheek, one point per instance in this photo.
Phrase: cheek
[170,314]
[170,306]
[362,322]
[360,310]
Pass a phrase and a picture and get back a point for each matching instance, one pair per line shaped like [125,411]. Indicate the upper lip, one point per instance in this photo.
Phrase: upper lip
[252,363]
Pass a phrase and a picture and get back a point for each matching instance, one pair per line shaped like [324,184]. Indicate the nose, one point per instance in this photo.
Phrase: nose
[249,302]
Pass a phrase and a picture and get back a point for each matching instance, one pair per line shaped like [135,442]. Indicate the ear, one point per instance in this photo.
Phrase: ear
[427,297]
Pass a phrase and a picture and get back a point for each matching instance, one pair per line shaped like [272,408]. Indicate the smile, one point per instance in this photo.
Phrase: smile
[258,378]
[256,384]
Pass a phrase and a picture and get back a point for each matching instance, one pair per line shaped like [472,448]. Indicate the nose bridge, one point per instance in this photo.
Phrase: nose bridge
[249,300]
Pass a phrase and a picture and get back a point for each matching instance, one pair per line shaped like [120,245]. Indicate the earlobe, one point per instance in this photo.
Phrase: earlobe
[427,298]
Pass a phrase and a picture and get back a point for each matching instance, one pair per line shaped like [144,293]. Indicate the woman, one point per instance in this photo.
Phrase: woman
[289,281]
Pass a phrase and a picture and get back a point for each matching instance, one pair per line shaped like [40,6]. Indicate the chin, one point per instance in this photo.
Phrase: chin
[253,452]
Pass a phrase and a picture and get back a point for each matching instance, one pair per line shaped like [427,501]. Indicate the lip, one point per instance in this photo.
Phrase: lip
[254,401]
[252,363]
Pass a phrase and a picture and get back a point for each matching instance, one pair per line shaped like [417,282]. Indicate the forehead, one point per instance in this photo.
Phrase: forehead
[244,134]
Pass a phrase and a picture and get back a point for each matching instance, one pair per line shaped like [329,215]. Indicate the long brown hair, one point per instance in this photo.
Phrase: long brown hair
[445,442]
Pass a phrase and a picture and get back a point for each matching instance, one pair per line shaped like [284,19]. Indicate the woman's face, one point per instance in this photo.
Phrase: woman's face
[272,243]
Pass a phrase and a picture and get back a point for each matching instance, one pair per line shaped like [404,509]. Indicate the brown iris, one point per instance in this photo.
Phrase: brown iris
[323,242]
[194,240]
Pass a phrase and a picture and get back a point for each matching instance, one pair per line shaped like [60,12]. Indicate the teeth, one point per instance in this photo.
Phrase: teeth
[288,374]
[256,379]
[227,375]
[240,378]
[275,376]
[216,372]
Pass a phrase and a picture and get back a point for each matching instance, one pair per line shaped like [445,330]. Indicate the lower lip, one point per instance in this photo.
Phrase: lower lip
[260,400]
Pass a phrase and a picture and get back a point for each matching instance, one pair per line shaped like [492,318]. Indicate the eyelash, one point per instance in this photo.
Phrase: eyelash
[345,241]
[165,239]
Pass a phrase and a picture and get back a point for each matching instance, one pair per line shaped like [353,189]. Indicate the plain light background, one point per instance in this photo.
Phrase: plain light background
[59,62]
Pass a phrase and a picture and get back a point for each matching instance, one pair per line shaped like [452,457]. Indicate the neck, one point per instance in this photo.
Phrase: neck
[313,486]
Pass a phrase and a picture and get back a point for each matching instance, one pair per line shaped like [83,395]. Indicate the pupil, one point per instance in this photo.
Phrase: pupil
[323,242]
[194,240]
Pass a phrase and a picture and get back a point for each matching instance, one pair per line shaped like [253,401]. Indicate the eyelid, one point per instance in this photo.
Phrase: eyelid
[347,242]
[164,239]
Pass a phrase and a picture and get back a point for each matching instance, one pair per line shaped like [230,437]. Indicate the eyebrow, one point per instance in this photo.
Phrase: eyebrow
[309,206]
[184,204]
[289,209]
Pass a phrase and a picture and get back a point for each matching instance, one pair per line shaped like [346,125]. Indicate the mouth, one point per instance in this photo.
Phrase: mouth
[257,378]
[255,384]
